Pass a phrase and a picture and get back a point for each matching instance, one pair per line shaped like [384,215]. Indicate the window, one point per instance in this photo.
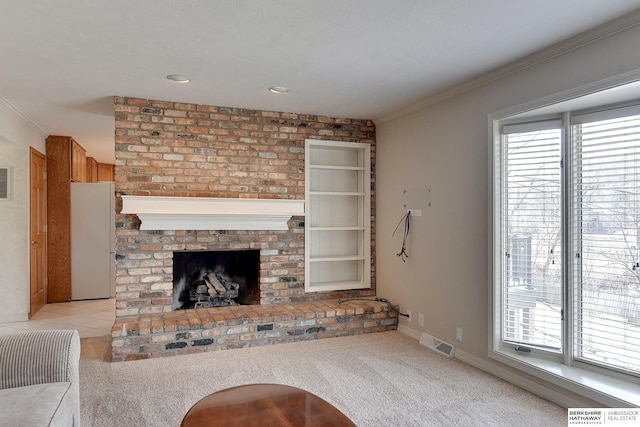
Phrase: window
[606,243]
[531,222]
[566,249]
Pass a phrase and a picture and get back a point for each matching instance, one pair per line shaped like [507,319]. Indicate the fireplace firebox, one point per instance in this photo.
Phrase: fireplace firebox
[215,278]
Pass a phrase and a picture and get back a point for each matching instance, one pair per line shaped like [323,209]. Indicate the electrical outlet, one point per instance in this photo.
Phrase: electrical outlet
[409,314]
[415,212]
[420,319]
[459,334]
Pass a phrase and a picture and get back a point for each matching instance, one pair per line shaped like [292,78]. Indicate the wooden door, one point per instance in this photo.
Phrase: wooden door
[38,221]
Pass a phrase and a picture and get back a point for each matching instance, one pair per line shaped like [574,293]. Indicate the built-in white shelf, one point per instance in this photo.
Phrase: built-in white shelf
[336,228]
[337,223]
[336,193]
[337,258]
[327,167]
[206,213]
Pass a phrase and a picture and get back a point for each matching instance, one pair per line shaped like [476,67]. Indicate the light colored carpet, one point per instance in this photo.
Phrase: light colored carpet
[380,379]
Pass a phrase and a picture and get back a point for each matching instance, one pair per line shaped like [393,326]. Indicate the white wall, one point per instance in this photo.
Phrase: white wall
[16,136]
[436,159]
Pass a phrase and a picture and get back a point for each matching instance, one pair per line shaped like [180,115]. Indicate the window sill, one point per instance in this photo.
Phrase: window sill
[609,391]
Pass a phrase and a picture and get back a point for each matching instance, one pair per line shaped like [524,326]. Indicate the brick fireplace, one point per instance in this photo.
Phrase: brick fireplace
[196,151]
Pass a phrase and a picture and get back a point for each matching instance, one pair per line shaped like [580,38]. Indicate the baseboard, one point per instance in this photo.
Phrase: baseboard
[409,332]
[505,374]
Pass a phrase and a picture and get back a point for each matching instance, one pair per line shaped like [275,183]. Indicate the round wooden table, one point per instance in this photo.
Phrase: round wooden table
[264,405]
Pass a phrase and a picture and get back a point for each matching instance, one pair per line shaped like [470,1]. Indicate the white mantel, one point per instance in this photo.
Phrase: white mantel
[204,213]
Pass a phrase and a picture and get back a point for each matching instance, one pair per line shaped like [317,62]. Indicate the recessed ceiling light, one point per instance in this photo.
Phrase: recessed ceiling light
[278,89]
[178,78]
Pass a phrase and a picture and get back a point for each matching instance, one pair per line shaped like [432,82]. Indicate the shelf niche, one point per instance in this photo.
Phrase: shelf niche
[338,215]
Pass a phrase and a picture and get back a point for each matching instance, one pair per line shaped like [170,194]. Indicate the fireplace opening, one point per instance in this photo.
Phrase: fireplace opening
[215,278]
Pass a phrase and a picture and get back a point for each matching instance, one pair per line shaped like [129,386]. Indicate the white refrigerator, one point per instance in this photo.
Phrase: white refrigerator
[92,240]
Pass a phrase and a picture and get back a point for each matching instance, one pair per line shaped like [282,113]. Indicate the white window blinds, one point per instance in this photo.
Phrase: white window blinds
[531,228]
[606,238]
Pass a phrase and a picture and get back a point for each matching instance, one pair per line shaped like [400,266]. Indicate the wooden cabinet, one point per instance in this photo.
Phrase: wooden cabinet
[99,172]
[78,162]
[66,162]
[338,215]
[105,172]
[92,170]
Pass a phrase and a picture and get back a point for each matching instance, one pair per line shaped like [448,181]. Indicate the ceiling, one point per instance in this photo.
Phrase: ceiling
[62,61]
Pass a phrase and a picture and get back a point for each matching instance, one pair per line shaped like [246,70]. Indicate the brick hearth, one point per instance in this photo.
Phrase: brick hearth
[207,329]
[173,149]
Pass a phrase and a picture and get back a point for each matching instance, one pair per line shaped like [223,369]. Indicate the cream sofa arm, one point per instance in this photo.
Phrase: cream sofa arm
[39,357]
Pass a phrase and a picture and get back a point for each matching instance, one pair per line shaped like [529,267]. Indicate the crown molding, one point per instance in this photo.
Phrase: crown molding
[573,93]
[4,103]
[594,35]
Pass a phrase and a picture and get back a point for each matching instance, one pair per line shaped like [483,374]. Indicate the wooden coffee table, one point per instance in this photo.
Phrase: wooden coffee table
[264,405]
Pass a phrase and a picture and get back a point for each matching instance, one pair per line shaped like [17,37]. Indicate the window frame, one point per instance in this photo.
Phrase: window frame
[599,384]
[599,113]
[545,122]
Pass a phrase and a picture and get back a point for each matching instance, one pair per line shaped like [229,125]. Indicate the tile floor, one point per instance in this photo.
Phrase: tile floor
[91,318]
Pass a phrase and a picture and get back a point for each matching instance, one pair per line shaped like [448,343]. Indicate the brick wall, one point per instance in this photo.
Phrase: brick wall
[176,149]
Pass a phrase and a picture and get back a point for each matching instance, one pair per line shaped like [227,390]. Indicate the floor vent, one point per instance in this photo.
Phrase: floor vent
[437,345]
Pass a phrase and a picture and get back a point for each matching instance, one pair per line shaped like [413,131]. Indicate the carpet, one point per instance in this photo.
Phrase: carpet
[380,379]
